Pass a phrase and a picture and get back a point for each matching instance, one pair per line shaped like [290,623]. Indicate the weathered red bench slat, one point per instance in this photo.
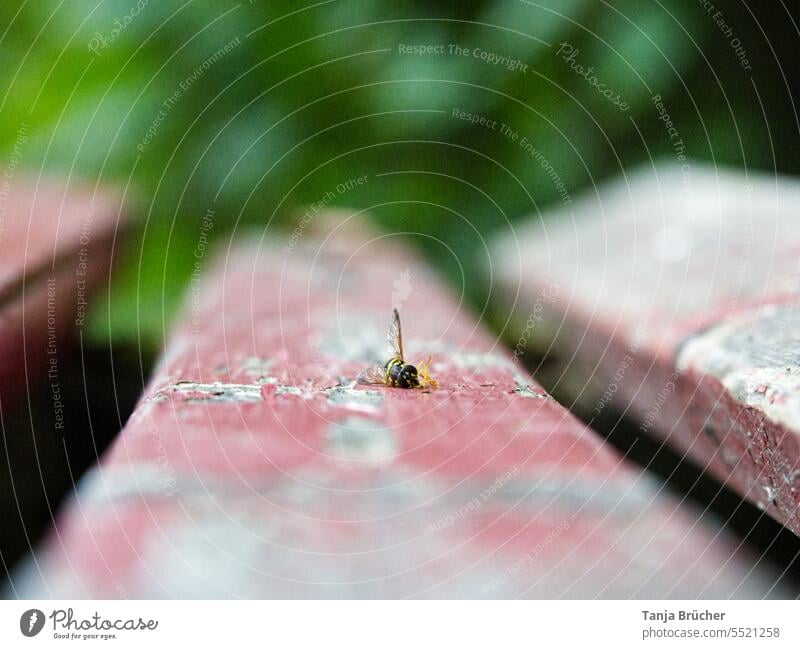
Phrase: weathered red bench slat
[255,467]
[677,288]
[56,244]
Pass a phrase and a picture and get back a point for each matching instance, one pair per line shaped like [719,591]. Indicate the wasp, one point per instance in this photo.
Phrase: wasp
[396,372]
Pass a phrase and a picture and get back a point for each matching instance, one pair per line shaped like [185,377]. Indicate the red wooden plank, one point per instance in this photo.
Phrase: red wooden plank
[679,287]
[56,245]
[255,467]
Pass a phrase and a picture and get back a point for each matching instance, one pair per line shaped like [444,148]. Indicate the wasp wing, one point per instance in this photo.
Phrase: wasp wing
[395,336]
[373,375]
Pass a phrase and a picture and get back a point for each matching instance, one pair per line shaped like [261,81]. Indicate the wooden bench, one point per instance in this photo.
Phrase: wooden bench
[675,290]
[254,466]
[56,245]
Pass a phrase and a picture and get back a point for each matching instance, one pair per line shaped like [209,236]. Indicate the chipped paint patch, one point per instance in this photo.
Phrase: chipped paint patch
[357,439]
[578,495]
[773,391]
[475,362]
[273,388]
[256,366]
[361,338]
[101,485]
[530,391]
[290,389]
[756,356]
[348,397]
[192,392]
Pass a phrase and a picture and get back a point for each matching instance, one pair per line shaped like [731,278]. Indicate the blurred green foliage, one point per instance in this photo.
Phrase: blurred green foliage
[255,109]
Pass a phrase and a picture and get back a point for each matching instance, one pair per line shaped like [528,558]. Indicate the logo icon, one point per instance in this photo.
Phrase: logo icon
[402,289]
[31,622]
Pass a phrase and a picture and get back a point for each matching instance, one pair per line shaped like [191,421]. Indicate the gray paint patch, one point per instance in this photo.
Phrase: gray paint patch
[756,356]
[530,392]
[256,366]
[361,338]
[220,392]
[357,439]
[289,389]
[476,361]
[346,396]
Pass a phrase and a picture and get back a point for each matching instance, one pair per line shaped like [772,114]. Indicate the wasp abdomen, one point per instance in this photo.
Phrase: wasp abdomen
[402,375]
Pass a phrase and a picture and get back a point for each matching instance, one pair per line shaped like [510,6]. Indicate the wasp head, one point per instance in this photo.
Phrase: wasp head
[408,377]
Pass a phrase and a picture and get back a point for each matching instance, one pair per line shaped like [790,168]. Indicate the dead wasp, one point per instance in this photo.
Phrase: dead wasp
[397,373]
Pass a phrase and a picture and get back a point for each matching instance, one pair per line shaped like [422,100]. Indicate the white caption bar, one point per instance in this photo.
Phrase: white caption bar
[405,625]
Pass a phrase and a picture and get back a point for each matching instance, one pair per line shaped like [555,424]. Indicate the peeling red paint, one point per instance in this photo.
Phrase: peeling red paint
[701,334]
